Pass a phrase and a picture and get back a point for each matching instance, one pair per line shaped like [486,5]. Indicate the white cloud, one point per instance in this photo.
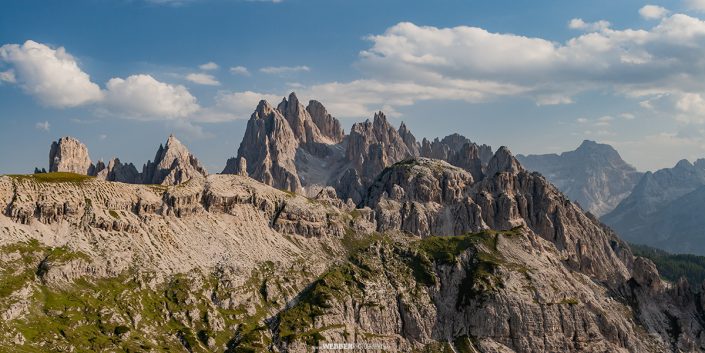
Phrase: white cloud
[203,79]
[235,105]
[276,70]
[555,99]
[42,125]
[653,12]
[582,120]
[8,76]
[143,97]
[102,136]
[578,23]
[696,5]
[692,108]
[627,116]
[240,70]
[667,59]
[209,66]
[51,75]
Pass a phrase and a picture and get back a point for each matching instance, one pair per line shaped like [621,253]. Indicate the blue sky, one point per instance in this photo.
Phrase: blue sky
[537,76]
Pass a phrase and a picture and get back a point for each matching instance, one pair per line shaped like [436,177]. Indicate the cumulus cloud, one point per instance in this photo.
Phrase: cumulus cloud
[666,59]
[42,125]
[143,97]
[203,79]
[696,5]
[691,107]
[209,66]
[49,74]
[8,76]
[53,76]
[653,12]
[235,105]
[240,70]
[579,23]
[276,70]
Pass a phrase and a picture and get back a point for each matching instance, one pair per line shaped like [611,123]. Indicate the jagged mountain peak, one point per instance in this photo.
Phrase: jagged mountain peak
[503,161]
[328,126]
[173,164]
[262,110]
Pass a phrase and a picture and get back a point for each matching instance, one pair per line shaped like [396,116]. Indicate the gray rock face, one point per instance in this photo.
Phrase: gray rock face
[328,126]
[312,150]
[117,171]
[664,210]
[173,164]
[374,145]
[70,155]
[269,147]
[446,148]
[409,140]
[430,197]
[594,175]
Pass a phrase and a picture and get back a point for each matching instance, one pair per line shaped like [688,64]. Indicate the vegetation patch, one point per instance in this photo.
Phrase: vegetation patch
[674,266]
[569,301]
[297,322]
[54,177]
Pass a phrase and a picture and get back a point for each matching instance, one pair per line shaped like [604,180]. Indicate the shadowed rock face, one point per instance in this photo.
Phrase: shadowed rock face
[70,155]
[594,175]
[117,171]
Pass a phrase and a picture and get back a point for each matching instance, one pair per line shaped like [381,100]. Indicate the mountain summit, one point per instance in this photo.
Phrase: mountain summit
[594,175]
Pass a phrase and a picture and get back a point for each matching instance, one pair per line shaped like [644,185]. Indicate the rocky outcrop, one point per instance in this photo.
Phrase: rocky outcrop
[374,145]
[594,175]
[70,155]
[328,126]
[269,148]
[173,164]
[409,139]
[430,197]
[117,171]
[447,148]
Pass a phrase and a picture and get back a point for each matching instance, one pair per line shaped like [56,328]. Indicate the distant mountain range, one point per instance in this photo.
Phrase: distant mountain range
[594,175]
[665,209]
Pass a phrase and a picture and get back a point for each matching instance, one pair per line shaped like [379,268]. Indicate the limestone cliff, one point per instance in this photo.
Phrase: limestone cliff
[70,155]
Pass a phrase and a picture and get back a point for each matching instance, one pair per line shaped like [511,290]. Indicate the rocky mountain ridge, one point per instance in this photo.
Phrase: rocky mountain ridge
[173,164]
[314,237]
[664,209]
[594,175]
[520,267]
[303,149]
